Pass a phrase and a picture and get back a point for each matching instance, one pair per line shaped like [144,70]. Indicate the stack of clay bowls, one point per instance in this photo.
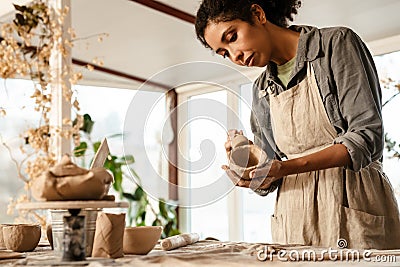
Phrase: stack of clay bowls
[141,240]
[19,237]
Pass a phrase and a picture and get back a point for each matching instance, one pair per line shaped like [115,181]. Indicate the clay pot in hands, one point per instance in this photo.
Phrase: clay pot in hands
[239,140]
[245,157]
[21,237]
[141,240]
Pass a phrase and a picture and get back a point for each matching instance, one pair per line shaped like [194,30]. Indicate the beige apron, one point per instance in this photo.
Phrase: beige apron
[319,207]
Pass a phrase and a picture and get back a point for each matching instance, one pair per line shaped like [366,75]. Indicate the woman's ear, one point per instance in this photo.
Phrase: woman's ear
[258,14]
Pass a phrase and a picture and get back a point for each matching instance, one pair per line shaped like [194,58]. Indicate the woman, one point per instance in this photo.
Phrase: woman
[317,104]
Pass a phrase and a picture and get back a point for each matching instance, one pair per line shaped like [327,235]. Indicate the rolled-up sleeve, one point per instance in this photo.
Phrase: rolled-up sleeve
[359,98]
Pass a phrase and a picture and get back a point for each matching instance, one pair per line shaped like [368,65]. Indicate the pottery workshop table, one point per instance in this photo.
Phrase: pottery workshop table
[211,253]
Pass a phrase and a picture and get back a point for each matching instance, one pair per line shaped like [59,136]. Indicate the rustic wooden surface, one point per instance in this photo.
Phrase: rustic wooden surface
[203,253]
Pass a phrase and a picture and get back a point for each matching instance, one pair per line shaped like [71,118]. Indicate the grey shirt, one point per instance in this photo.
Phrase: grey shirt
[348,85]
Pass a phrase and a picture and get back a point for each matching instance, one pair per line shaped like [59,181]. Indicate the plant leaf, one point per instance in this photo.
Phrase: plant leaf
[163,210]
[129,196]
[141,224]
[87,124]
[126,160]
[156,222]
[167,229]
[139,193]
[80,150]
[117,173]
[19,8]
[173,232]
[96,146]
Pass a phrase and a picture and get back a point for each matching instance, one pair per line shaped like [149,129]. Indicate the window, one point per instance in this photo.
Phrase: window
[257,210]
[107,108]
[388,67]
[20,116]
[207,120]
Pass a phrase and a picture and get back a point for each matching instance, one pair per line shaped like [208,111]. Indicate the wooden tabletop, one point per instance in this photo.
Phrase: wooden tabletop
[79,204]
[206,253]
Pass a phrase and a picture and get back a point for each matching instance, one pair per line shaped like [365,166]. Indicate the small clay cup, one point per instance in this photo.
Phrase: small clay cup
[141,240]
[21,237]
[239,140]
[245,158]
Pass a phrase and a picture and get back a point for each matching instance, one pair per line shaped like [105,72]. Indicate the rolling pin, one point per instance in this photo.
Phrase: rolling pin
[179,241]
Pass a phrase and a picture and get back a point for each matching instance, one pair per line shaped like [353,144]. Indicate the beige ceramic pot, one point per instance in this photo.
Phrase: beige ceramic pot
[21,237]
[141,240]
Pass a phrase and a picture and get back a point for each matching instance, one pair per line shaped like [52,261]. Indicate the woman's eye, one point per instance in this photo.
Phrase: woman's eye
[233,37]
[225,54]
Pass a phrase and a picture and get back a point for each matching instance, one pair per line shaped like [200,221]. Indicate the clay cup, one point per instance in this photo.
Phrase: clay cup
[245,158]
[21,237]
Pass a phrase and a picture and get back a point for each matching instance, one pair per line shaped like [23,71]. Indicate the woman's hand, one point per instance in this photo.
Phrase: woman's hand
[262,178]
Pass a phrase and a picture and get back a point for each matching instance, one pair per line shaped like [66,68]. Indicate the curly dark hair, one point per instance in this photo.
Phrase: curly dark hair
[278,12]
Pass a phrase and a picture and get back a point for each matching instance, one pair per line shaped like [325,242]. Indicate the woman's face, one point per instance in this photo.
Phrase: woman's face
[244,44]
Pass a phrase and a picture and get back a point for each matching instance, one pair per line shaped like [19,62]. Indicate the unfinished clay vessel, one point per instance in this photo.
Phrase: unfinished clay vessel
[245,157]
[109,235]
[67,181]
[21,237]
[239,140]
[141,240]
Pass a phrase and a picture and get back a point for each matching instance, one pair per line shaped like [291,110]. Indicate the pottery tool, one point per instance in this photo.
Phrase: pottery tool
[179,241]
[6,254]
[101,155]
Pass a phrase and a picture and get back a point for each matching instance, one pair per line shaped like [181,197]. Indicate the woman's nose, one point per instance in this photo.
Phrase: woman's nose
[237,56]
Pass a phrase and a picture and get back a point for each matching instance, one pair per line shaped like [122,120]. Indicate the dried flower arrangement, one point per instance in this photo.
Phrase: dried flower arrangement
[26,45]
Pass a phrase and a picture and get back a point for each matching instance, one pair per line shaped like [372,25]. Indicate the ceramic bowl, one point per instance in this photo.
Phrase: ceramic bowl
[141,240]
[21,237]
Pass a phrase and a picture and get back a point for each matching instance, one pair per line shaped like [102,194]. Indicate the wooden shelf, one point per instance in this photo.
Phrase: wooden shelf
[79,204]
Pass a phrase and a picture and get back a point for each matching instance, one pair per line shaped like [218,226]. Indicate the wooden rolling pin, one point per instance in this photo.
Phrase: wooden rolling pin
[179,241]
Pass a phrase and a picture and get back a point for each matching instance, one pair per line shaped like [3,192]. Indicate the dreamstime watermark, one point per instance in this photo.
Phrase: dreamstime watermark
[331,254]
